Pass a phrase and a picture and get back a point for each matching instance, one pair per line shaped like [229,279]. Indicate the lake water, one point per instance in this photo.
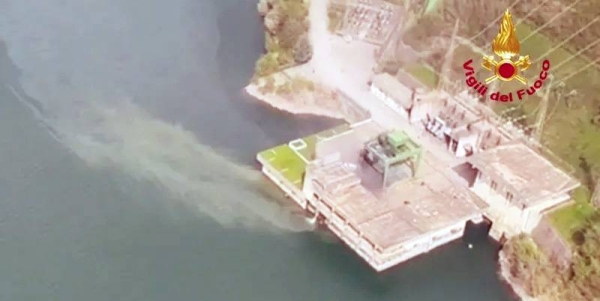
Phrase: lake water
[127,168]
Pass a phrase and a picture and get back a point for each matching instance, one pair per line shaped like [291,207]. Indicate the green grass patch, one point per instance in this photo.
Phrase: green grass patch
[424,74]
[284,160]
[569,219]
[311,141]
[290,163]
[537,47]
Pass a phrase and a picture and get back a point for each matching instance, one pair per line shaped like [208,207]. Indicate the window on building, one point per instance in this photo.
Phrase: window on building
[494,185]
[509,196]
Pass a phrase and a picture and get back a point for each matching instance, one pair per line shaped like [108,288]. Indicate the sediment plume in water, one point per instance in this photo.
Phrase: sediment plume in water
[126,137]
[76,67]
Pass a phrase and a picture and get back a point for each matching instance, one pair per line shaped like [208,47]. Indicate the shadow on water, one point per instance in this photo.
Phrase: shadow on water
[205,93]
[452,264]
[236,68]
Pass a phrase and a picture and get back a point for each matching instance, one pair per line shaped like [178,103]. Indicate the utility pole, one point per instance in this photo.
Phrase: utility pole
[539,123]
[494,86]
[448,58]
[430,6]
[596,195]
[389,48]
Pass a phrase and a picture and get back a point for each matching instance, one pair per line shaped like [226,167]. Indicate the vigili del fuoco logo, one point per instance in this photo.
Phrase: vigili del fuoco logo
[506,46]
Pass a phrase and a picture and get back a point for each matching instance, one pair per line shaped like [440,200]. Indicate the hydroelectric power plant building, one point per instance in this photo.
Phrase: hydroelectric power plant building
[394,193]
[414,167]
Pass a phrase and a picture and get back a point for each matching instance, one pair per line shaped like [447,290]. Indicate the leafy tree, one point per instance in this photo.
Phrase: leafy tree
[294,9]
[266,65]
[539,276]
[290,32]
[274,19]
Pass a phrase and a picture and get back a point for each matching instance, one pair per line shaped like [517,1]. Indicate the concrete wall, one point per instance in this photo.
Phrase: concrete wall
[347,142]
[389,101]
[507,216]
[353,111]
[536,213]
[499,189]
[340,227]
[289,188]
[423,244]
[380,260]
[465,142]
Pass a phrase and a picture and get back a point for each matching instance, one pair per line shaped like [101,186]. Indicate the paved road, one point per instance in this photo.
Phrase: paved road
[353,80]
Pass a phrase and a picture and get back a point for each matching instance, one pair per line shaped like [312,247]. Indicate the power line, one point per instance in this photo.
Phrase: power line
[579,52]
[448,57]
[597,60]
[569,38]
[566,40]
[493,23]
[510,109]
[531,12]
[453,47]
[524,18]
[549,21]
[595,199]
[561,95]
[553,111]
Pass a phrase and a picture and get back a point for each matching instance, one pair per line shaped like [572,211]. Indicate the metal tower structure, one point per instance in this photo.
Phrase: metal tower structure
[448,58]
[595,200]
[391,153]
[541,117]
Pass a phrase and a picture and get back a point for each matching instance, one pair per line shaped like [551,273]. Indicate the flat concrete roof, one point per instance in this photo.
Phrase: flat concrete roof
[530,176]
[432,202]
[408,209]
[401,212]
[456,115]
[390,85]
[349,143]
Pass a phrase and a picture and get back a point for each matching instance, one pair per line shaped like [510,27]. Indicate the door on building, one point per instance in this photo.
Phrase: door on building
[453,146]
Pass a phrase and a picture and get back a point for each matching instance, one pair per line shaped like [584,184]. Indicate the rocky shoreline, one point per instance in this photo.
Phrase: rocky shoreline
[282,104]
[504,272]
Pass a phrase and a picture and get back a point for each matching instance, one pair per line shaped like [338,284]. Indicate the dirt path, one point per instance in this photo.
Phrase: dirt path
[319,35]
